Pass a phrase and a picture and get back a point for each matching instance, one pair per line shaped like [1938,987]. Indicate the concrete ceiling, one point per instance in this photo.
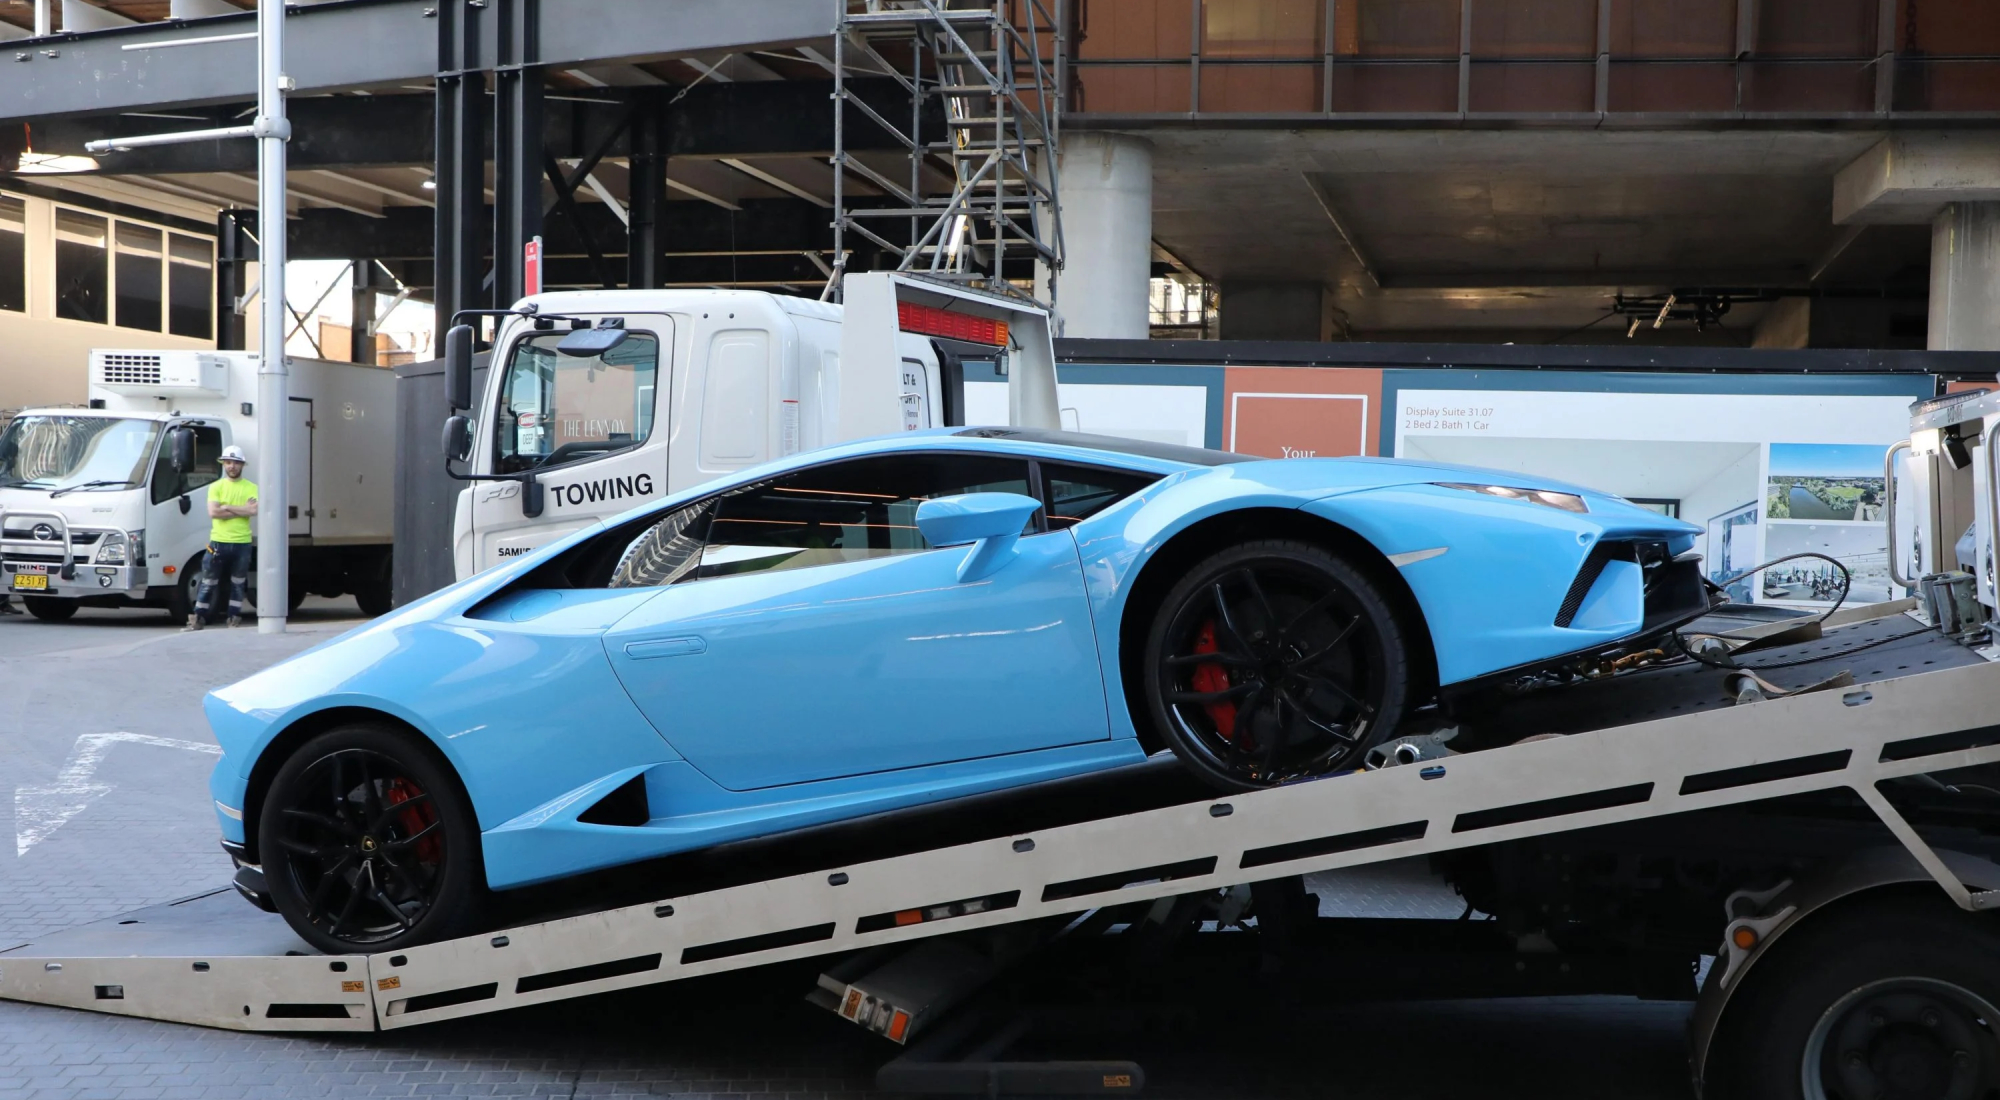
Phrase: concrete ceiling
[1520,228]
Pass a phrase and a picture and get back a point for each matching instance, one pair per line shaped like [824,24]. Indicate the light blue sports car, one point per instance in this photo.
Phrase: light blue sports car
[899,621]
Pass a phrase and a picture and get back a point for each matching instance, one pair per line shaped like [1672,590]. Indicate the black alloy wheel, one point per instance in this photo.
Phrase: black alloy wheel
[1274,661]
[367,844]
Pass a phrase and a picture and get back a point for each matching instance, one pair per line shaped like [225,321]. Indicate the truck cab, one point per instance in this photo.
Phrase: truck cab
[122,482]
[598,401]
[92,506]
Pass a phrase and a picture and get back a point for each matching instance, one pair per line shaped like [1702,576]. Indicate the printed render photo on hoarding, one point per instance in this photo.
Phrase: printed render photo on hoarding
[1730,461]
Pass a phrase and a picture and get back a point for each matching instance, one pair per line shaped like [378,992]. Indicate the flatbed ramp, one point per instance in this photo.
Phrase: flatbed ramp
[215,961]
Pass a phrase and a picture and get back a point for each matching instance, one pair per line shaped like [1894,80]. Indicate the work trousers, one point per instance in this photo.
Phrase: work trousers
[224,559]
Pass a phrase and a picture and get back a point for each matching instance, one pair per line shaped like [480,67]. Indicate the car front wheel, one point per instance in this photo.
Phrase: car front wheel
[368,844]
[1274,661]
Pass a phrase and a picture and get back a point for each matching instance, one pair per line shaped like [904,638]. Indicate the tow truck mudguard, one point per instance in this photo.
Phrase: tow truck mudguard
[1768,917]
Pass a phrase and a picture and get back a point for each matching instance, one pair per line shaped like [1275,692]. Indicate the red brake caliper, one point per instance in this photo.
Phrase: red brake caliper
[1208,678]
[415,819]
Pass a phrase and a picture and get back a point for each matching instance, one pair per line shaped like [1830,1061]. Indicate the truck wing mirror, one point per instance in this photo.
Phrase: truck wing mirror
[457,439]
[180,449]
[186,504]
[458,366]
[585,342]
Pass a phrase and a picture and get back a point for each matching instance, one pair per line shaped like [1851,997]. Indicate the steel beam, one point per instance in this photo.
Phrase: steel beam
[517,145]
[230,256]
[335,132]
[646,185]
[460,164]
[371,43]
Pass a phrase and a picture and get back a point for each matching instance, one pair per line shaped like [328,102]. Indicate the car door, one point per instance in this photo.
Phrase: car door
[820,636]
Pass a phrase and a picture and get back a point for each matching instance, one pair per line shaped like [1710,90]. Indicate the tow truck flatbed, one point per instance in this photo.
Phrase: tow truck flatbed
[1639,746]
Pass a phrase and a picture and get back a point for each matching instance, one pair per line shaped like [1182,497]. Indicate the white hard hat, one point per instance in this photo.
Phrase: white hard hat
[233,453]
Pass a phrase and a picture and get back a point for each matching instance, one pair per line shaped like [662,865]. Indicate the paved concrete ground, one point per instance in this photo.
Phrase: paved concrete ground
[141,833]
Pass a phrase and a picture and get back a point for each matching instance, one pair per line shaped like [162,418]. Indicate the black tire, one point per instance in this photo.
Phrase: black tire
[373,584]
[50,609]
[368,844]
[1291,634]
[1895,996]
[180,595]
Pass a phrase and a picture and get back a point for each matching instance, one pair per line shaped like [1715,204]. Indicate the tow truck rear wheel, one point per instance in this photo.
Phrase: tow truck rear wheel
[368,844]
[50,609]
[1273,661]
[1895,997]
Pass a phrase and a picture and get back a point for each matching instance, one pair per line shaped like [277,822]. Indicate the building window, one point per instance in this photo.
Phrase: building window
[13,254]
[190,286]
[139,277]
[80,266]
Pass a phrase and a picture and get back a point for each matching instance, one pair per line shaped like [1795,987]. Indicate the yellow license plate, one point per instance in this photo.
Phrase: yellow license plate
[31,580]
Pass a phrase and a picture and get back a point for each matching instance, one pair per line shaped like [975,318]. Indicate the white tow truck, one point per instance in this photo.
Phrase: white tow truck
[598,401]
[1807,817]
[104,505]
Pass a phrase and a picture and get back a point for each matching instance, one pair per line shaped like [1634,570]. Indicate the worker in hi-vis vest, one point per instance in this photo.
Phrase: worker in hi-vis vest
[232,501]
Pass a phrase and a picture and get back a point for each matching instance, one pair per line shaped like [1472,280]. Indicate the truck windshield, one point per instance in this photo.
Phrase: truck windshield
[557,408]
[40,451]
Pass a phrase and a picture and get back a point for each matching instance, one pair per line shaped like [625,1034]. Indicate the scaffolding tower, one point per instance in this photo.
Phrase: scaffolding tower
[978,198]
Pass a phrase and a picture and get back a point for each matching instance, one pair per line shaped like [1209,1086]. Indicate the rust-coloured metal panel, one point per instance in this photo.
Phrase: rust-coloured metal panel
[1673,28]
[1133,89]
[1679,86]
[1947,85]
[1816,28]
[1398,28]
[1533,86]
[1395,87]
[1261,29]
[1539,29]
[1134,28]
[1807,86]
[1260,89]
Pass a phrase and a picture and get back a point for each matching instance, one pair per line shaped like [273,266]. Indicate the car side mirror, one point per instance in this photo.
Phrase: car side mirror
[457,438]
[180,449]
[458,366]
[992,522]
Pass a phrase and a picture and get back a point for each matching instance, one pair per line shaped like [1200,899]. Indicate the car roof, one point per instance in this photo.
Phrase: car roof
[1117,445]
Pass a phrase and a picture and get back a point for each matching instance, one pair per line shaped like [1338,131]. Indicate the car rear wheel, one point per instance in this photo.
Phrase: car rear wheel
[1274,661]
[368,844]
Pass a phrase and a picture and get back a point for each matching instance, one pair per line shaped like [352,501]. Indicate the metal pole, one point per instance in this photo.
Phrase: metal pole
[273,376]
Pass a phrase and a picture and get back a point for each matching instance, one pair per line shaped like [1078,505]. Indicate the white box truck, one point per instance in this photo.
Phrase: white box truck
[106,505]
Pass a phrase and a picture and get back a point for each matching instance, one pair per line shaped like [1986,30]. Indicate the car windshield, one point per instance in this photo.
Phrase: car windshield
[66,452]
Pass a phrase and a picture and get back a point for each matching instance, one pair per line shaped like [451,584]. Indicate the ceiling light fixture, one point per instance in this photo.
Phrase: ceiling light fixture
[49,164]
[429,185]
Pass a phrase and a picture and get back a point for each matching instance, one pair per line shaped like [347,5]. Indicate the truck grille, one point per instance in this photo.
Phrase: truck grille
[129,369]
[27,534]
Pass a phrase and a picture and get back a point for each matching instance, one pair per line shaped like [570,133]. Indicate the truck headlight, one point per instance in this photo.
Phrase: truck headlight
[116,548]
[1568,502]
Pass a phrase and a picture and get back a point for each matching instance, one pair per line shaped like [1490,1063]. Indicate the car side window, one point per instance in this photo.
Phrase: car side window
[1075,493]
[168,483]
[844,511]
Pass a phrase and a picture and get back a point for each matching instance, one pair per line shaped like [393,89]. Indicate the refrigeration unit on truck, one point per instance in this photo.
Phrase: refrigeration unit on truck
[599,401]
[106,505]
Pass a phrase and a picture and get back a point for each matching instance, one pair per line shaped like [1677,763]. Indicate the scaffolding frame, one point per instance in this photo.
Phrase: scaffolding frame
[983,63]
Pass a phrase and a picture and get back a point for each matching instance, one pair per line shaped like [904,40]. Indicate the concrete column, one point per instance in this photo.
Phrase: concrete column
[1106,189]
[1965,277]
[1273,311]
